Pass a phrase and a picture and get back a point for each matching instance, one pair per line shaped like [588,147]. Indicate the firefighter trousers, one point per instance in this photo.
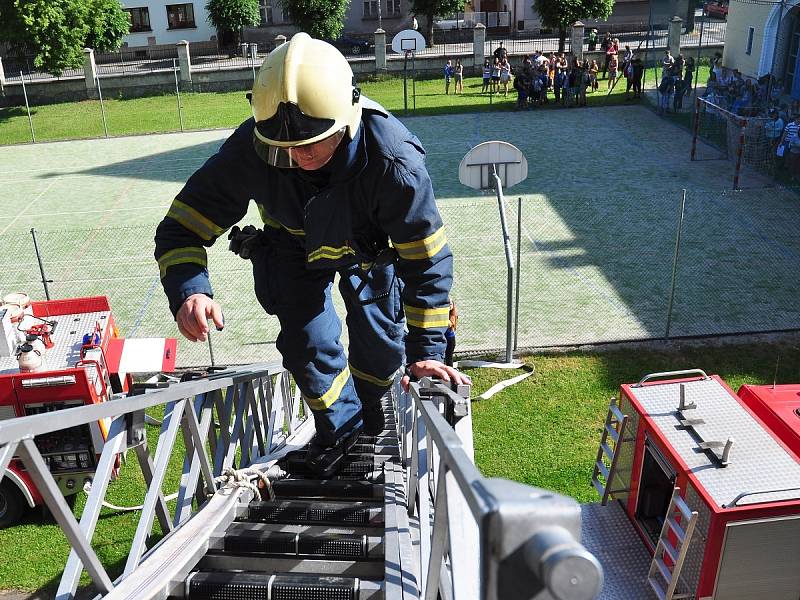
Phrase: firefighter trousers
[309,340]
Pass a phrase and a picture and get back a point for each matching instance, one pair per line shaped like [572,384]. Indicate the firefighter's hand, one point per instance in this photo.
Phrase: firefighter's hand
[434,368]
[193,316]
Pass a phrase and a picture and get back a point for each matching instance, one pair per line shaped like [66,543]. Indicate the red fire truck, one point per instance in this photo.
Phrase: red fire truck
[705,485]
[61,354]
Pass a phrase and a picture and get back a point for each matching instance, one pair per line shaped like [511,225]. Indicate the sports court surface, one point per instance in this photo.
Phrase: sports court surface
[600,214]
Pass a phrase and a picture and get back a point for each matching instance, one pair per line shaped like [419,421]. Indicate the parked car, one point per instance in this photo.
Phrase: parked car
[717,9]
[351,45]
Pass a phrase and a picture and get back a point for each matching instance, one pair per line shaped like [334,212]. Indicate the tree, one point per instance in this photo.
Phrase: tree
[435,8]
[57,31]
[232,16]
[561,14]
[319,18]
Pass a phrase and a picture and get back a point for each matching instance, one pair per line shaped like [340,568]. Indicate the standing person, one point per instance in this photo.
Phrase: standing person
[667,63]
[592,39]
[688,76]
[458,74]
[558,84]
[450,334]
[500,53]
[521,83]
[496,76]
[637,72]
[572,86]
[606,46]
[627,57]
[583,82]
[773,130]
[505,75]
[594,68]
[665,89]
[680,90]
[613,65]
[343,189]
[487,75]
[448,76]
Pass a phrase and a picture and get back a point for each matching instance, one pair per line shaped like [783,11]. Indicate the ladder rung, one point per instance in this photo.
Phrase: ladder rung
[607,450]
[612,433]
[601,489]
[614,410]
[683,507]
[671,551]
[602,469]
[663,569]
[662,595]
[679,532]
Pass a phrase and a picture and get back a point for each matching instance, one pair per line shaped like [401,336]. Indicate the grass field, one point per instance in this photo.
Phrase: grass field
[542,432]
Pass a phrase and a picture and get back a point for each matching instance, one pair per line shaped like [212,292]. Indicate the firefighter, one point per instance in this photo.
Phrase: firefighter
[341,187]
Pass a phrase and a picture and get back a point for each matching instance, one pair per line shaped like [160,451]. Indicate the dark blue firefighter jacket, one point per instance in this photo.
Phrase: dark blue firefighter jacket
[378,194]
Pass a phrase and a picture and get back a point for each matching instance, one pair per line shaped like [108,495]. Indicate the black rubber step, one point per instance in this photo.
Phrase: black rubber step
[353,464]
[369,514]
[377,449]
[253,538]
[264,586]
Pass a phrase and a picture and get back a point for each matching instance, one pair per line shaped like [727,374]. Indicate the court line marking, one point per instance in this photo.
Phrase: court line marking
[22,212]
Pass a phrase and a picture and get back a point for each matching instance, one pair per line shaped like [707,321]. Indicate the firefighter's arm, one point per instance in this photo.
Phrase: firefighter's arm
[214,198]
[407,212]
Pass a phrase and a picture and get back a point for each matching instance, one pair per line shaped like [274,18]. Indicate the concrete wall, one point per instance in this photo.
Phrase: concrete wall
[202,32]
[741,16]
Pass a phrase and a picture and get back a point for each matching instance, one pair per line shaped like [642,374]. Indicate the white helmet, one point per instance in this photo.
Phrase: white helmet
[304,93]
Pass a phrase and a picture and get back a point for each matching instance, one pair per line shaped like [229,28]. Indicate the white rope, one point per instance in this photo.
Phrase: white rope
[234,478]
[482,364]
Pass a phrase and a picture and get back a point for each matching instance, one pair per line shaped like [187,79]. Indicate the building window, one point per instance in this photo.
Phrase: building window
[371,9]
[750,33]
[180,16]
[140,19]
[393,8]
[266,14]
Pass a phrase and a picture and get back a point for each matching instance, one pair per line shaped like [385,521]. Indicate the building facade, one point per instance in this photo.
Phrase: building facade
[158,23]
[765,38]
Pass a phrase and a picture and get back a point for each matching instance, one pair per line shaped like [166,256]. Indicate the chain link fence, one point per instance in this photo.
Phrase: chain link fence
[590,270]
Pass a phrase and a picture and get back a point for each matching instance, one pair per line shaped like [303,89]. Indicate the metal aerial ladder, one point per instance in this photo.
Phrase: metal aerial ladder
[408,517]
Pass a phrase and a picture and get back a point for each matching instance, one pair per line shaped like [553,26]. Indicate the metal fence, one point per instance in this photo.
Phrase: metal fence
[591,270]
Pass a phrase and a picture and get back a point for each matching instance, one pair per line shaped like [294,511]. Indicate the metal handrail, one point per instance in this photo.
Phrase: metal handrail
[258,418]
[511,536]
[685,372]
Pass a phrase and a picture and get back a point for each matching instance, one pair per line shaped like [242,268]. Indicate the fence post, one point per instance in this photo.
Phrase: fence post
[184,61]
[380,51]
[675,263]
[576,40]
[478,47]
[45,280]
[674,39]
[90,73]
[519,262]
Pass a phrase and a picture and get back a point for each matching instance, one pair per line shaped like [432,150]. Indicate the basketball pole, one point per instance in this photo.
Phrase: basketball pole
[696,126]
[498,187]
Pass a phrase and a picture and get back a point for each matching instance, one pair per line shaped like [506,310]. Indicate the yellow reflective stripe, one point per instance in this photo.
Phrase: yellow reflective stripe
[332,395]
[421,249]
[194,221]
[371,378]
[329,252]
[275,224]
[179,256]
[426,318]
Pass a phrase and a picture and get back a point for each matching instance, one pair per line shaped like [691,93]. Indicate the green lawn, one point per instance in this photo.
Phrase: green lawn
[221,110]
[542,432]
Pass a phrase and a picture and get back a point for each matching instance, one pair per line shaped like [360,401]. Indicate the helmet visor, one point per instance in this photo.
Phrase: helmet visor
[307,156]
[290,125]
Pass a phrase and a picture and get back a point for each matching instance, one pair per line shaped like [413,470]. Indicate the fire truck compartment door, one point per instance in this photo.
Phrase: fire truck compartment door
[142,355]
[760,559]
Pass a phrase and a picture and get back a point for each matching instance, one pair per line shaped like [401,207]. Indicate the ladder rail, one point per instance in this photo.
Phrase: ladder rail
[547,520]
[615,426]
[676,552]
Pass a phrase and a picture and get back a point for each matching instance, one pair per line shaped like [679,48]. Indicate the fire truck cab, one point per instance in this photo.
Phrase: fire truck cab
[56,355]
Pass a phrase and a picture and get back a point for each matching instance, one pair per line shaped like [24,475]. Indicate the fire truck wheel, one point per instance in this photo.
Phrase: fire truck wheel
[12,504]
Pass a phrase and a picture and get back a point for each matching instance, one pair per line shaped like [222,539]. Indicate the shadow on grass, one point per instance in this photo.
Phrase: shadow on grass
[14,112]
